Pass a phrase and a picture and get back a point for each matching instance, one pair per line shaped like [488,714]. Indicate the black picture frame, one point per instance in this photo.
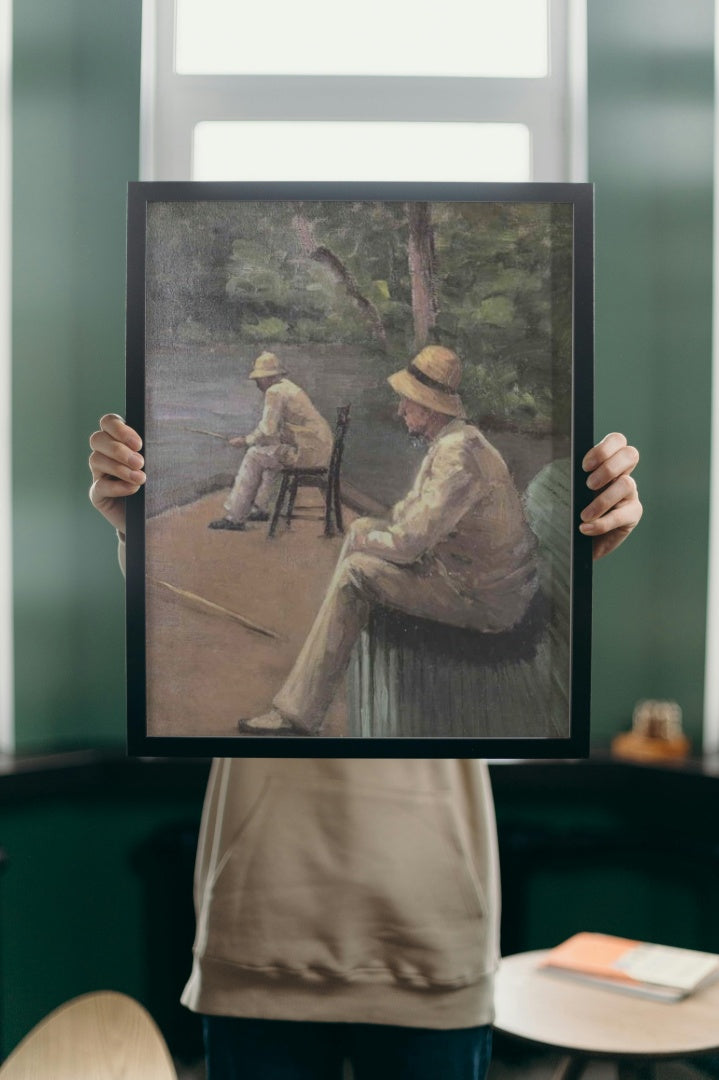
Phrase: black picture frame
[151,262]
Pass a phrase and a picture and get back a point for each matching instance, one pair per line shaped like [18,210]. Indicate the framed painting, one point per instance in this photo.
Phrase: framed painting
[364,408]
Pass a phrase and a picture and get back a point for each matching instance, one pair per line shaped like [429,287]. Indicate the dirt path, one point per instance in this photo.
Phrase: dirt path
[206,670]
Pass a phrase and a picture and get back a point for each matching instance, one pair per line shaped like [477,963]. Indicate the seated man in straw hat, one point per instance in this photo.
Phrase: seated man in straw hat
[291,433]
[456,549]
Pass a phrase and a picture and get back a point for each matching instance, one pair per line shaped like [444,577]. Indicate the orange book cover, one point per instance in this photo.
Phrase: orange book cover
[592,954]
[663,971]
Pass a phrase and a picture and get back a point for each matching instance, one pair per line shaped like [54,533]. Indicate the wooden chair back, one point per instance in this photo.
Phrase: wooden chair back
[334,494]
[327,478]
[341,425]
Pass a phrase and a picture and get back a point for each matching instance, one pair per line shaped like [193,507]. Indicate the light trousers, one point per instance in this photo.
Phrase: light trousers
[361,580]
[256,477]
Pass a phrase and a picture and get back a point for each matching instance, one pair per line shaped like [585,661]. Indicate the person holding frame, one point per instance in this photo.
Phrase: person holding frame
[349,908]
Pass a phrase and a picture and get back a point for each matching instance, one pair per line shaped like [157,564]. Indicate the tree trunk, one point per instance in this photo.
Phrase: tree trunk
[422,271]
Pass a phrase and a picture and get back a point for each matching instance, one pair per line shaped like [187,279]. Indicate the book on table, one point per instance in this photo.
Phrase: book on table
[661,972]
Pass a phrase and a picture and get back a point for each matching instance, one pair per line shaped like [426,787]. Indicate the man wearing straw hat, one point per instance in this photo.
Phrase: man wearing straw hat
[456,549]
[291,433]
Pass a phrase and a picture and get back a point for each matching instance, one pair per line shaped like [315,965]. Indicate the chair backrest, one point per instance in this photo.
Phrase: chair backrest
[341,425]
[99,1036]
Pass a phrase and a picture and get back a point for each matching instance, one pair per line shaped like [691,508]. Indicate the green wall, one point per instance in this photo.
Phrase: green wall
[650,156]
[75,146]
[78,893]
[76,89]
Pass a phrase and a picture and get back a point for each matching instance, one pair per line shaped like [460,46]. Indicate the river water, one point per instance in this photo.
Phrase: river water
[207,388]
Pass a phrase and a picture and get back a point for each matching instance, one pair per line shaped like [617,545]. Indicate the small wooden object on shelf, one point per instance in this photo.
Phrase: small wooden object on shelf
[656,734]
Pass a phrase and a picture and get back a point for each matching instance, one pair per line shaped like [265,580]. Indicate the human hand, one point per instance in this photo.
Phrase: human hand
[357,533]
[616,510]
[116,467]
[240,440]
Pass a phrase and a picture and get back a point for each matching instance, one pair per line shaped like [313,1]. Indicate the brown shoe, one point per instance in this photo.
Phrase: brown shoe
[227,523]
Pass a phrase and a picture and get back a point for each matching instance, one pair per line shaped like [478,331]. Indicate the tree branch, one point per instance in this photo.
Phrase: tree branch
[321,254]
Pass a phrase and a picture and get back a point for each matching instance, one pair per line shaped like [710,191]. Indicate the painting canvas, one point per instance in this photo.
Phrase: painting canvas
[363,408]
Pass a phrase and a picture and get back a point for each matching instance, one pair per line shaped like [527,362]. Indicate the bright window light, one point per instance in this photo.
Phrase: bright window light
[489,38]
[316,150]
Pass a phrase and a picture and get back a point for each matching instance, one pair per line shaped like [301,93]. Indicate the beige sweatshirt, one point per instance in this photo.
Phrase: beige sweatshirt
[347,890]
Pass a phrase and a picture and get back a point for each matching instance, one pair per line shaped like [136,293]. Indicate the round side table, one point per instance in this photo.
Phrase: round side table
[586,1022]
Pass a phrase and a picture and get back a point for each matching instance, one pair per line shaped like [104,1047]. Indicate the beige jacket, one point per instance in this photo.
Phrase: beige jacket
[289,417]
[464,512]
[347,890]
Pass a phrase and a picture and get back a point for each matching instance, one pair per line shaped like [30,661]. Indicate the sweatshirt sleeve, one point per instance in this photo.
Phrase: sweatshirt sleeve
[450,489]
[269,428]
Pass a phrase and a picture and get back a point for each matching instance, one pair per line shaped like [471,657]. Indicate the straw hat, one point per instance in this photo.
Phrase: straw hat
[432,379]
[266,365]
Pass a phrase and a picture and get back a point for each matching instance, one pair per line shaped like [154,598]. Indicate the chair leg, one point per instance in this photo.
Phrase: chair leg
[338,505]
[635,1070]
[329,528]
[278,506]
[294,484]
[570,1067]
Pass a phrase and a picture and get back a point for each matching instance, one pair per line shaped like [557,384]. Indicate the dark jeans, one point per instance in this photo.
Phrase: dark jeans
[240,1049]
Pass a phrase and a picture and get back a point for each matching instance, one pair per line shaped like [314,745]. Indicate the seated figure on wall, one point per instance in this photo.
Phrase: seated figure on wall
[457,549]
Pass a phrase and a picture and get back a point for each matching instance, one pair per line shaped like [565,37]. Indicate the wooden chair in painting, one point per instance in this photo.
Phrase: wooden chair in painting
[326,478]
[99,1036]
[420,678]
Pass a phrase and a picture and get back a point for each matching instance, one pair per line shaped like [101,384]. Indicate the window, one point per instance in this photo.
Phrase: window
[494,92]
[261,149]
[221,37]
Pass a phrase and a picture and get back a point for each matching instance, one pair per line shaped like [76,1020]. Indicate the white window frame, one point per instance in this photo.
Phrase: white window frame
[553,108]
[7,721]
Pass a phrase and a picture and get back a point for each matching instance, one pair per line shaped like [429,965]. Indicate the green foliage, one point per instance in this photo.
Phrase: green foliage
[505,306]
[338,273]
[494,397]
[269,329]
[495,311]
